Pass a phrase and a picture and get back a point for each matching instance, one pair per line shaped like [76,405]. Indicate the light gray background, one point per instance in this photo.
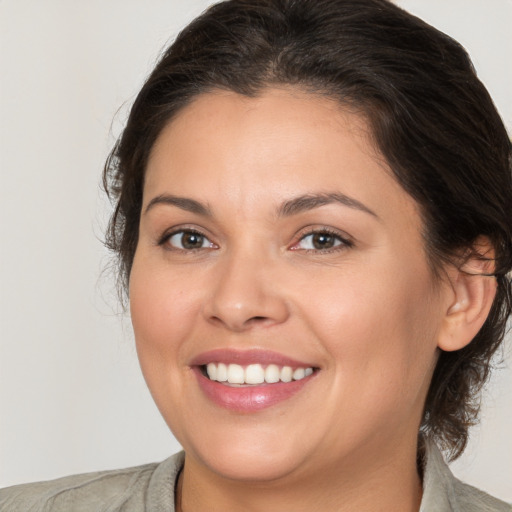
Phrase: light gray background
[71,395]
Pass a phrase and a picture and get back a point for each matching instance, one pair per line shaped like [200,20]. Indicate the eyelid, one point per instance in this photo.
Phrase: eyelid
[346,240]
[169,233]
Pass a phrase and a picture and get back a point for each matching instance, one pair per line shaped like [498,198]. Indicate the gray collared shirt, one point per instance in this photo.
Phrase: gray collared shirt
[442,492]
[150,488]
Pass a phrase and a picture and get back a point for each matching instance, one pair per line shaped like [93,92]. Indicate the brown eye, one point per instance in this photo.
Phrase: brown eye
[321,241]
[189,240]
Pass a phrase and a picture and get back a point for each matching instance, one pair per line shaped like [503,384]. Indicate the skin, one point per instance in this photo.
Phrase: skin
[368,314]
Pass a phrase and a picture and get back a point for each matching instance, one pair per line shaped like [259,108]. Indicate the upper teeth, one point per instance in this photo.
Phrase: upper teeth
[254,373]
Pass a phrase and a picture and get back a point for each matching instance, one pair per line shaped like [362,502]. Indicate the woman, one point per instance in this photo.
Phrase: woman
[313,220]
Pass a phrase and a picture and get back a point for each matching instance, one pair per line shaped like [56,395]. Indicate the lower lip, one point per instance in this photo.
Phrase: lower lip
[248,398]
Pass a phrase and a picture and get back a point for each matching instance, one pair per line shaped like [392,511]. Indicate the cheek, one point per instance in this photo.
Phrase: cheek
[378,327]
[162,311]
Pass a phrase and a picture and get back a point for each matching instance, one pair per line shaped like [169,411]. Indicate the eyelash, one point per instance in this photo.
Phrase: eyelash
[167,237]
[344,242]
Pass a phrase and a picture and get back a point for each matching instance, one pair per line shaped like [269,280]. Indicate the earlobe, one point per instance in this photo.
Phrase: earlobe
[473,288]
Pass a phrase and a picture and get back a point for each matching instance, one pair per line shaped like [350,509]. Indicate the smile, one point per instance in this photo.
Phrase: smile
[254,374]
[252,380]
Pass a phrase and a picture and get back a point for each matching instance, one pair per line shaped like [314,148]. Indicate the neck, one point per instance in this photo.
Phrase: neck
[389,483]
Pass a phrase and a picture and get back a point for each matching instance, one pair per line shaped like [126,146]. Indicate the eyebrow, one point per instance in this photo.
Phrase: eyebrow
[310,201]
[185,203]
[290,207]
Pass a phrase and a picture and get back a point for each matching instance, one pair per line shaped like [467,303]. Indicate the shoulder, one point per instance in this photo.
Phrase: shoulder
[442,492]
[470,499]
[122,490]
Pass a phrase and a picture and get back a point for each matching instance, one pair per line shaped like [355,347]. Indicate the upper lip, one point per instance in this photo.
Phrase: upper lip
[246,357]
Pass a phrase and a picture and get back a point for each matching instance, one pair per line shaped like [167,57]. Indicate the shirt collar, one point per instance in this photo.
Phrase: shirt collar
[437,481]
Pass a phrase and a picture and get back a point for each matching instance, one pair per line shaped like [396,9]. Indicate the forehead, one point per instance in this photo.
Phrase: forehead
[274,117]
[248,151]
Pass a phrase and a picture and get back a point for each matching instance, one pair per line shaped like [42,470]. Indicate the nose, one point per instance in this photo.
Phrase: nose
[246,295]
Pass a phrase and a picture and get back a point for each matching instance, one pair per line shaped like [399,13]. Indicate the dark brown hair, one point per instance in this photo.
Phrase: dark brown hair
[430,116]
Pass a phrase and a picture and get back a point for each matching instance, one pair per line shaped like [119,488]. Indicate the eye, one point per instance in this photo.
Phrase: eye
[321,240]
[188,240]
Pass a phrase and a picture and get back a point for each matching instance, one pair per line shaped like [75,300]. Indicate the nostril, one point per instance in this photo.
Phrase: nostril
[258,320]
[239,312]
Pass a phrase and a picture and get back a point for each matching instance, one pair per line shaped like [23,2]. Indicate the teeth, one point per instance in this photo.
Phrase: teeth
[236,374]
[286,374]
[272,374]
[222,372]
[211,370]
[255,373]
[299,373]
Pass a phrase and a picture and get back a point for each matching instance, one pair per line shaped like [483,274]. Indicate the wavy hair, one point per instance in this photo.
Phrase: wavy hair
[430,117]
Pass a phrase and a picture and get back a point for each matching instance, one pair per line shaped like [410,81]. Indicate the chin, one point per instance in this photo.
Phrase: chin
[251,466]
[248,454]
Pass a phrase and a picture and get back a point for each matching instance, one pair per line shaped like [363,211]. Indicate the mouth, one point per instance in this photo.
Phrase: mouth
[249,381]
[237,375]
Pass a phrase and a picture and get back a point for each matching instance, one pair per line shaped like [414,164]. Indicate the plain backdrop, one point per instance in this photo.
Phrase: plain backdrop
[72,398]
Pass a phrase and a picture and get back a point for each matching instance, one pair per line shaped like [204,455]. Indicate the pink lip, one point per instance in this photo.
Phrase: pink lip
[248,398]
[245,357]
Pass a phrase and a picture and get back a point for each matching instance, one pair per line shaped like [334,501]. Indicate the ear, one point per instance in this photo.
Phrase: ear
[473,288]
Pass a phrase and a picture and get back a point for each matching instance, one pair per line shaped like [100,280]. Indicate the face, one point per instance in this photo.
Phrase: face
[278,255]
